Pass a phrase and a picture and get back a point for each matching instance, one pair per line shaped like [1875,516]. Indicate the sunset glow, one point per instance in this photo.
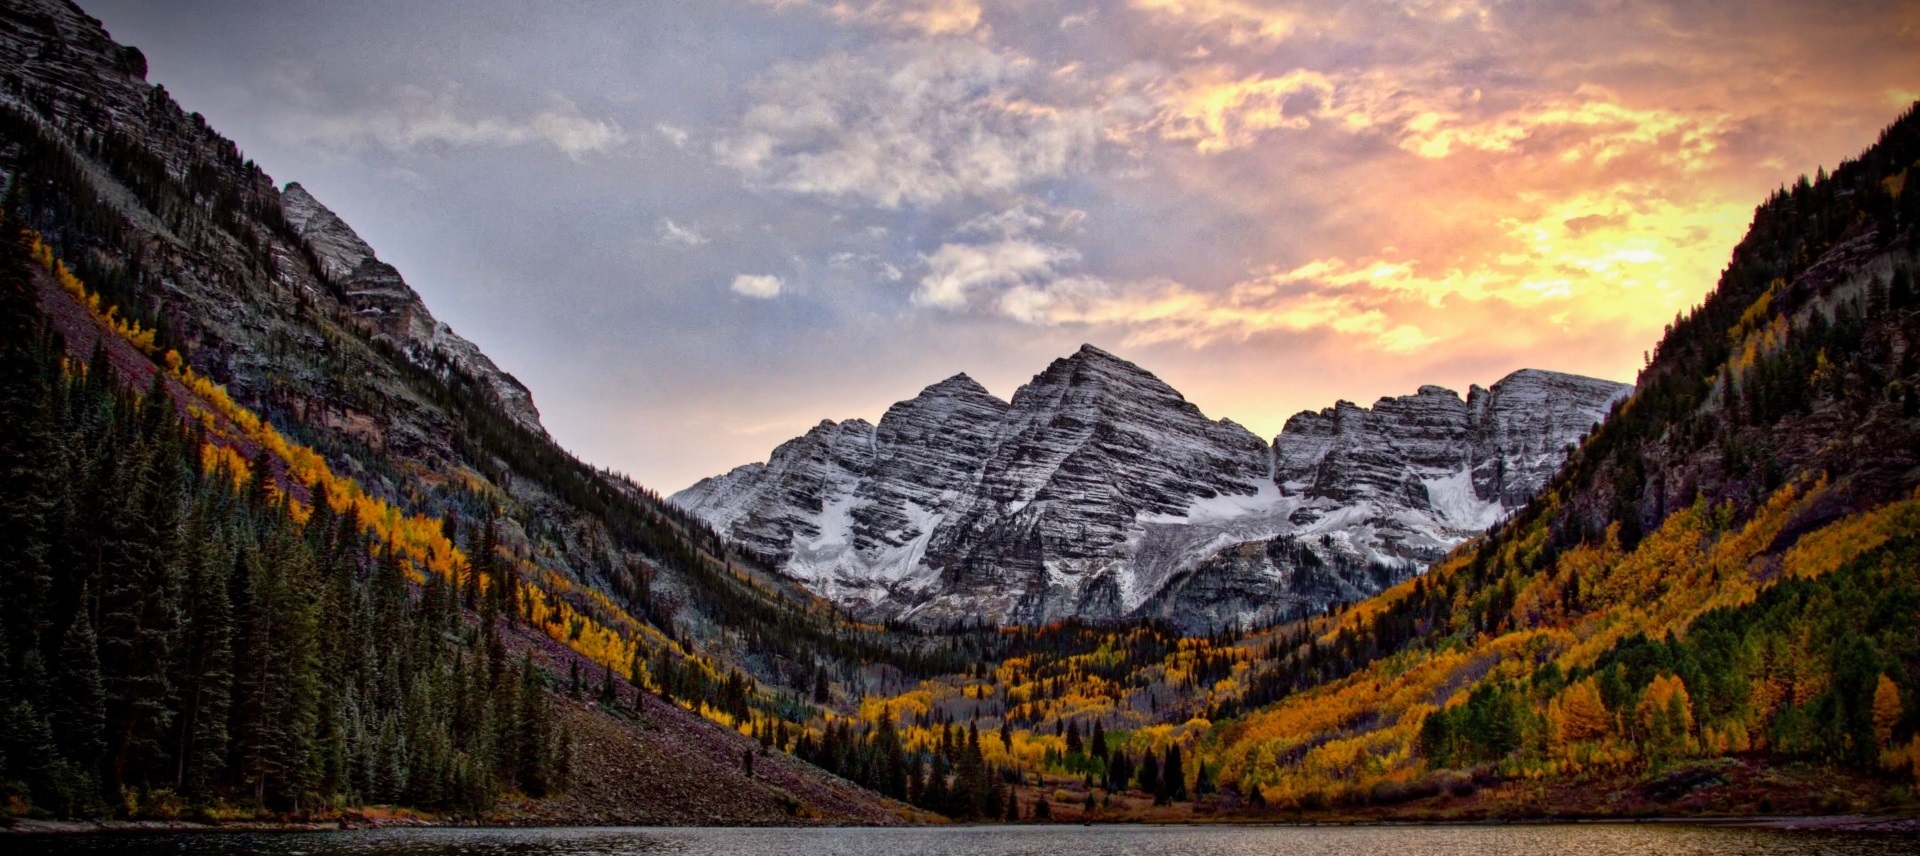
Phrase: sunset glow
[706,229]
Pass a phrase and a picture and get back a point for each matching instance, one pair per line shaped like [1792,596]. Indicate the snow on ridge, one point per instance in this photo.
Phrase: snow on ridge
[1099,491]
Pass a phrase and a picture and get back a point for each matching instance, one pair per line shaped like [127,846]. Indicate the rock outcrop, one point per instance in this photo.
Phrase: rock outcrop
[381,299]
[1100,492]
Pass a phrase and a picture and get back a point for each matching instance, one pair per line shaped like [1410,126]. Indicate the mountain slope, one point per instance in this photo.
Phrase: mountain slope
[308,366]
[1099,492]
[1371,494]
[1711,607]
[377,295]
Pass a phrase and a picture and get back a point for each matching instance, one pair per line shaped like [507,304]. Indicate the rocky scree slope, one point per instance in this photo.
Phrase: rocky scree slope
[1099,492]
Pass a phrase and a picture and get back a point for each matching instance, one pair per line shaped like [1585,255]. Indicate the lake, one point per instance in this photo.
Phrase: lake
[1612,839]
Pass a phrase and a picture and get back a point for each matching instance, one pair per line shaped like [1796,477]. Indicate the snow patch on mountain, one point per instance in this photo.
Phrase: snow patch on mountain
[1099,492]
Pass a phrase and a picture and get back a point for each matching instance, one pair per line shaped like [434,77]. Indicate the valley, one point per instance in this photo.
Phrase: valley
[277,546]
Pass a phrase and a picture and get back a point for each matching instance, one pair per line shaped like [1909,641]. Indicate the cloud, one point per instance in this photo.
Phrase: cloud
[926,17]
[1216,111]
[872,263]
[1425,113]
[1589,126]
[958,274]
[1023,218]
[416,119]
[761,286]
[910,125]
[1163,311]
[673,134]
[1596,261]
[1239,21]
[686,236]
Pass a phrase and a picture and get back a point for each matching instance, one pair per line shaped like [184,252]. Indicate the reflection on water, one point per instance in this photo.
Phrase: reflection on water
[1658,839]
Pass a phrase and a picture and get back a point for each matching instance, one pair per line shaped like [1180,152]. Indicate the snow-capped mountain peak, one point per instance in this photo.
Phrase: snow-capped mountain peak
[1099,491]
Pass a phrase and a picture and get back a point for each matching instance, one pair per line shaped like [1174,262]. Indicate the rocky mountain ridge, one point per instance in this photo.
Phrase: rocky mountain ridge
[380,298]
[1099,492]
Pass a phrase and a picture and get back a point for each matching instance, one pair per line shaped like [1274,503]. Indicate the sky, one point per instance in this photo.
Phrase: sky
[696,229]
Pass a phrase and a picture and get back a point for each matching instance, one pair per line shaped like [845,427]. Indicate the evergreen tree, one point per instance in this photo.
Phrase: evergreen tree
[78,694]
[27,446]
[1173,784]
[1149,774]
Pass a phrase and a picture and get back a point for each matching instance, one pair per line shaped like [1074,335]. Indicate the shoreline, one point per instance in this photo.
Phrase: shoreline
[1824,823]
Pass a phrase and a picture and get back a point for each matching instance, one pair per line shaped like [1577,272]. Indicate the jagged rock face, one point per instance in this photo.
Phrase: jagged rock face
[380,299]
[848,508]
[1099,492]
[1524,425]
[1087,448]
[1461,463]
[1259,582]
[923,447]
[1370,496]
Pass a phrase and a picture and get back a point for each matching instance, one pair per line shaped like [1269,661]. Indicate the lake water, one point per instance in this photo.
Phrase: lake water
[1654,839]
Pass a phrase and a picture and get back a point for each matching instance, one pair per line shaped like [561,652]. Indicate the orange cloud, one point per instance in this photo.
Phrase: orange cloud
[1217,112]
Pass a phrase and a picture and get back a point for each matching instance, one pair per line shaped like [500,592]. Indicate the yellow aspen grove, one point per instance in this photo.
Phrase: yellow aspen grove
[1886,710]
[1580,714]
[1665,716]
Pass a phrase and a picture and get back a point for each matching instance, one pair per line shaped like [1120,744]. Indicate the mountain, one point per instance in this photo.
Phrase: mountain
[1708,608]
[1373,494]
[377,296]
[1100,492]
[1711,608]
[293,546]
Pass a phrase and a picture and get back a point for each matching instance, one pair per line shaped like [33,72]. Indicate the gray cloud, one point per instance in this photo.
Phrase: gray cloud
[414,118]
[685,236]
[907,124]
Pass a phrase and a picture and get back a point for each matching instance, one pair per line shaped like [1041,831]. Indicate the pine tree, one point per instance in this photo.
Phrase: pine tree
[533,740]
[1174,779]
[27,446]
[139,601]
[893,780]
[78,694]
[205,665]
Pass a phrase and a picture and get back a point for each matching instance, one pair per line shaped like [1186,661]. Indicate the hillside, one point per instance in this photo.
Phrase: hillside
[1722,576]
[262,376]
[1711,609]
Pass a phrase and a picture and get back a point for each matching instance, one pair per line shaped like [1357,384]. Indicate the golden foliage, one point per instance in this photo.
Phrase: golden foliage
[1578,714]
[1886,709]
[136,335]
